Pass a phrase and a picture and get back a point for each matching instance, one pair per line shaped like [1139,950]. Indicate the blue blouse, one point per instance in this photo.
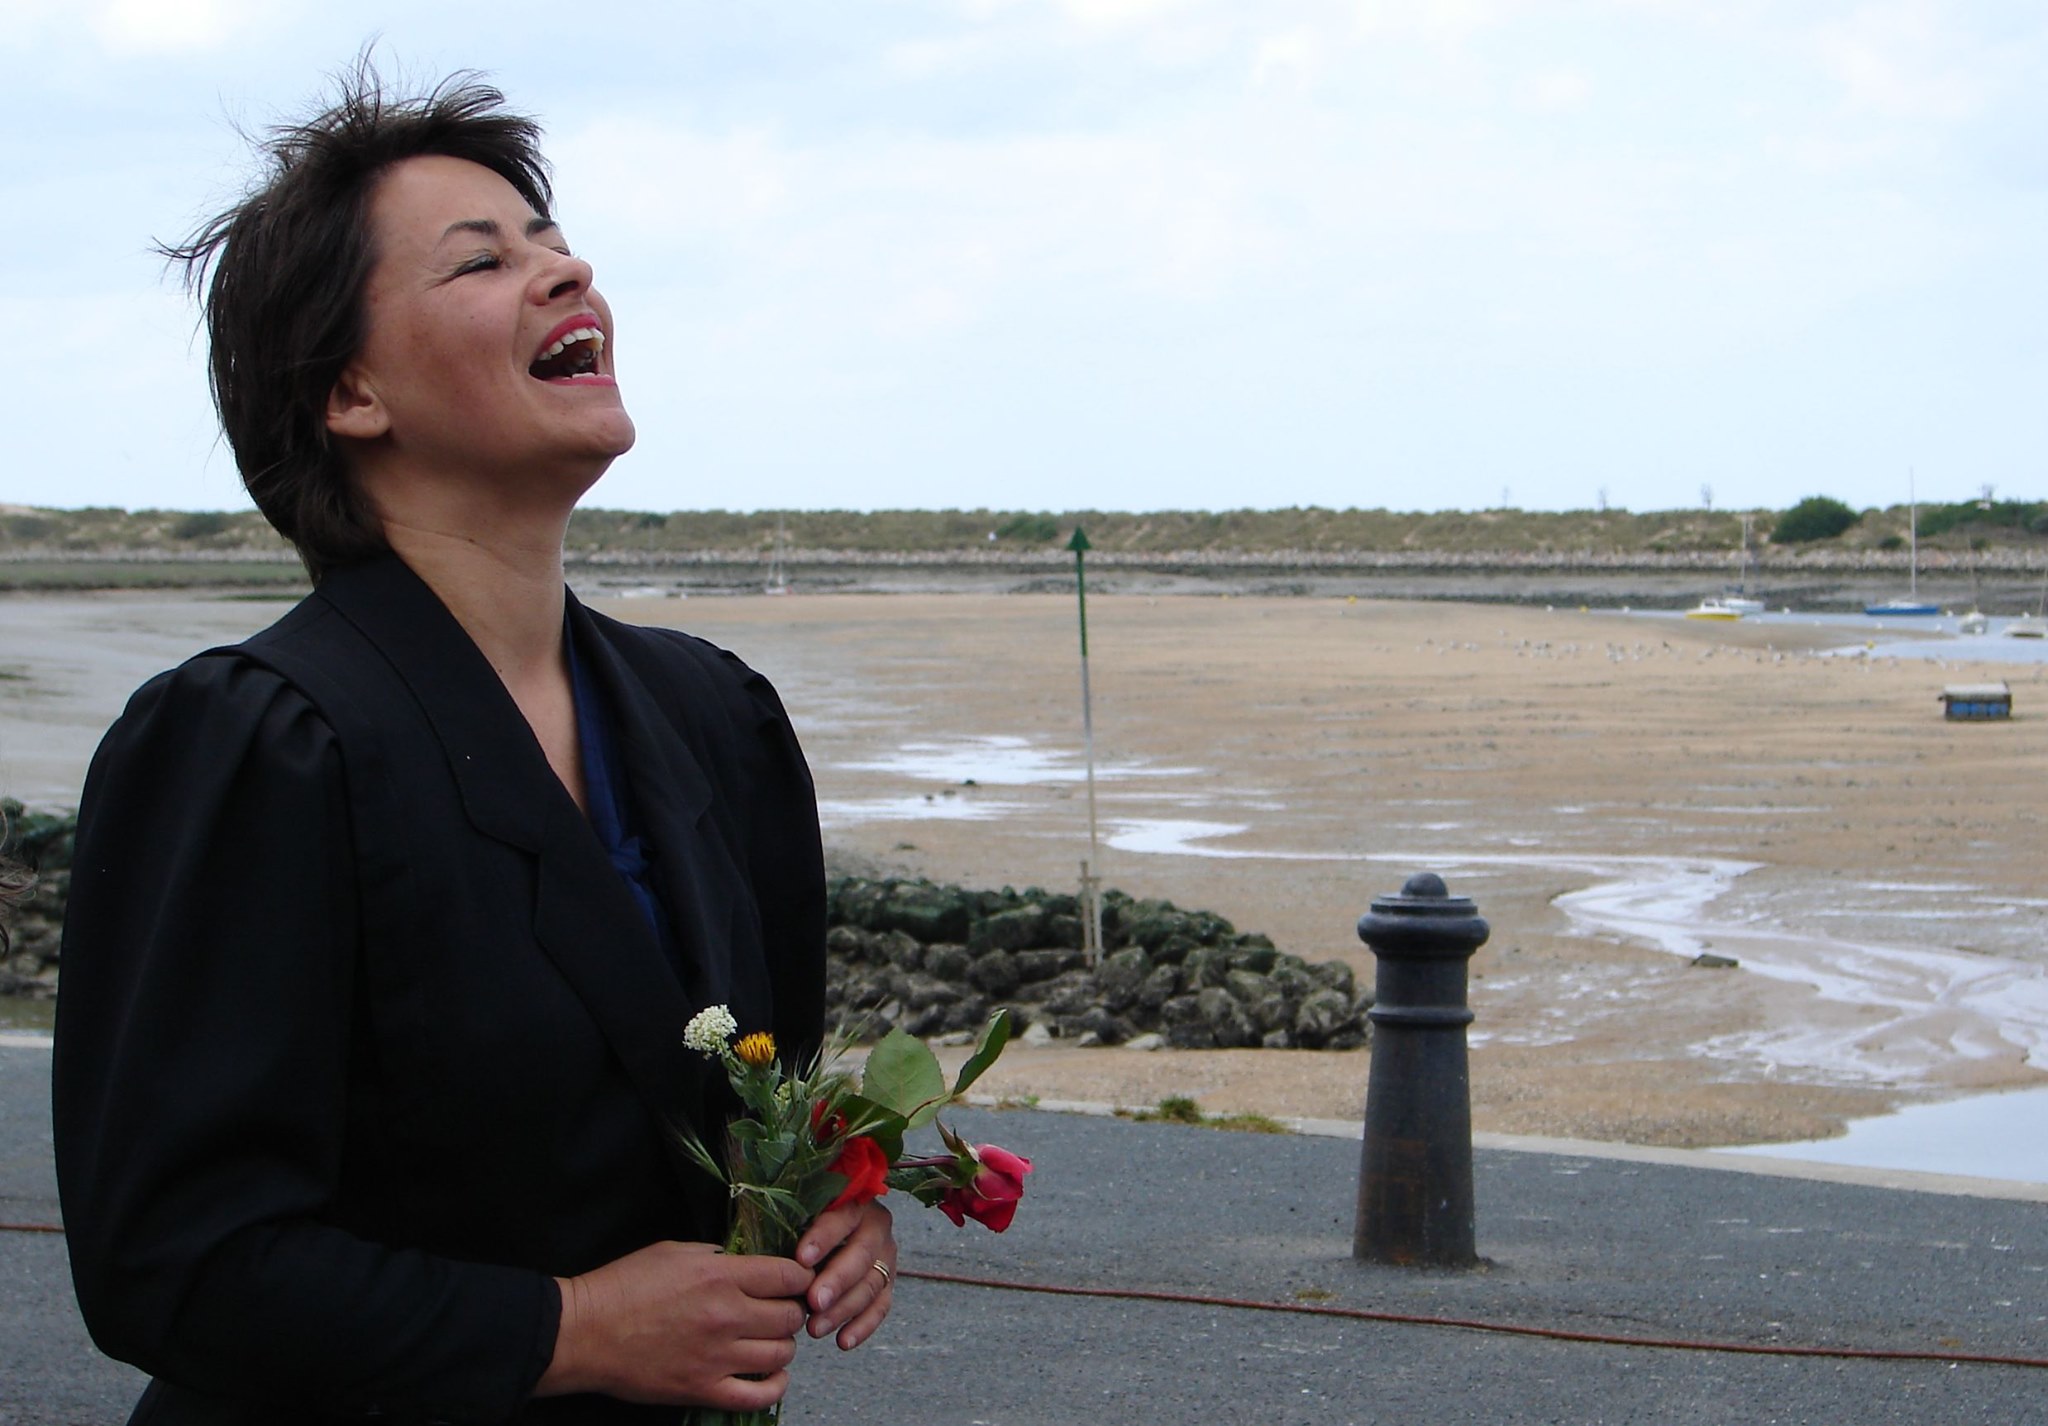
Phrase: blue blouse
[608,799]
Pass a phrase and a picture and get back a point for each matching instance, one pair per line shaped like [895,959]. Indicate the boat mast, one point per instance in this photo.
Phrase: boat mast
[778,575]
[1912,540]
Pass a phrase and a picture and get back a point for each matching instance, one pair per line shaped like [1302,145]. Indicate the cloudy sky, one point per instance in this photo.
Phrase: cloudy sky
[1138,254]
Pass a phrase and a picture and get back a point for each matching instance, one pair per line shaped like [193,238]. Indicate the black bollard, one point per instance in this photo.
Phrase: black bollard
[1415,1182]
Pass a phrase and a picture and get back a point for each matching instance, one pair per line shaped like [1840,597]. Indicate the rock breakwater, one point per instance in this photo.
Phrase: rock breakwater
[41,843]
[933,959]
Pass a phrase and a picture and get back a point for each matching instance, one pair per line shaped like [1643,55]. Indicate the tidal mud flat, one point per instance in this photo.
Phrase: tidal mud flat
[1617,794]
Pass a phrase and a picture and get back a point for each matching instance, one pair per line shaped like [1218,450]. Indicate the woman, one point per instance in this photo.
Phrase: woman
[385,924]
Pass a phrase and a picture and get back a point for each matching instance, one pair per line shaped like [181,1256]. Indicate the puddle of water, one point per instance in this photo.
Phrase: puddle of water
[1984,1136]
[936,808]
[1168,837]
[1931,639]
[1914,886]
[1003,761]
[1761,809]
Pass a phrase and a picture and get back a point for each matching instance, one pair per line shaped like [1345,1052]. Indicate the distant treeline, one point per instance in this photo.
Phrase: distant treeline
[104,533]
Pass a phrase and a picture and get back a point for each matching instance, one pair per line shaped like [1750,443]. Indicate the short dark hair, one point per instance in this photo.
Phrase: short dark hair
[283,273]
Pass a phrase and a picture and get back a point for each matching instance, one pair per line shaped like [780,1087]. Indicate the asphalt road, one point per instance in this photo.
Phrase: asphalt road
[1584,1244]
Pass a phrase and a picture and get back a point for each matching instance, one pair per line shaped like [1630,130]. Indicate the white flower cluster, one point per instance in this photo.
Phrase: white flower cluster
[709,1029]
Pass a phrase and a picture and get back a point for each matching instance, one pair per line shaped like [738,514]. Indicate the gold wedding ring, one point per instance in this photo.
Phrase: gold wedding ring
[883,1268]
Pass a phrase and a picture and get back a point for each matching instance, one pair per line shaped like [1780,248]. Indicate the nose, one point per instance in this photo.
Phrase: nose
[563,275]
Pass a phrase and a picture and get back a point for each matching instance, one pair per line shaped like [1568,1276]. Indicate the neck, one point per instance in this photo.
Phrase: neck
[490,547]
[507,595]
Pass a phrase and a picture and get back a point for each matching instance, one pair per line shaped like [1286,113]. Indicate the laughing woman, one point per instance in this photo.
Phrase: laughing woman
[385,924]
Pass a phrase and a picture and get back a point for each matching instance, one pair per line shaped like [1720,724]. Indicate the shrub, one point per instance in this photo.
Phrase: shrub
[1998,514]
[200,525]
[1817,517]
[1036,529]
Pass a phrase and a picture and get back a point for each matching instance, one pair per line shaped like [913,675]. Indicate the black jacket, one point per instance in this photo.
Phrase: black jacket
[362,1039]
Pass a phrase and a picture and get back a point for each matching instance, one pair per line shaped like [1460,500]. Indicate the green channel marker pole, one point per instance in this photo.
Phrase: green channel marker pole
[1091,883]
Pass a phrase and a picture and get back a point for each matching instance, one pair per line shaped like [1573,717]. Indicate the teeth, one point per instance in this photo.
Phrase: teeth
[569,339]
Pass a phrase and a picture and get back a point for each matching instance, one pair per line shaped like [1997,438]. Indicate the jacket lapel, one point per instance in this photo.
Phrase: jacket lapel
[695,873]
[584,918]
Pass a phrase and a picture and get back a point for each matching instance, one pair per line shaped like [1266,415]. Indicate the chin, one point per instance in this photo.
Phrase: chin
[620,436]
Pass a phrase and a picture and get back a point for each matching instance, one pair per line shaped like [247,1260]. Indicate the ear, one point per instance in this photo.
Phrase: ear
[354,409]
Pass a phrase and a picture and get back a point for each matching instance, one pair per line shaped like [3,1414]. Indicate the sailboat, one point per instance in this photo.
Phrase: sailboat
[1912,603]
[1976,621]
[2034,625]
[1740,601]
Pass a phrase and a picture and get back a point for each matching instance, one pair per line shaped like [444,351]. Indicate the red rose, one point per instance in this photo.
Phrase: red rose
[991,1197]
[866,1168]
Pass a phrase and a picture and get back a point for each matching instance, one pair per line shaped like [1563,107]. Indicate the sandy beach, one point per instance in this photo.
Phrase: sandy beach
[1617,793]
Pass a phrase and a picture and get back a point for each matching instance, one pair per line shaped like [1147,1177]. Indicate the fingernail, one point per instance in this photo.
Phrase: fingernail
[824,1299]
[808,1255]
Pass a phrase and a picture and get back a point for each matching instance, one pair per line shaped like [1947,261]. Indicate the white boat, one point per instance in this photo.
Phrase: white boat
[1716,609]
[2034,625]
[1740,603]
[1976,621]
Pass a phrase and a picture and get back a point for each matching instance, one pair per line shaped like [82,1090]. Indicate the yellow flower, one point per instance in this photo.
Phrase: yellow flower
[757,1049]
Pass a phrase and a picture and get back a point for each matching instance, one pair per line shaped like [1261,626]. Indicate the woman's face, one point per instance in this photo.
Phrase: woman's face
[487,358]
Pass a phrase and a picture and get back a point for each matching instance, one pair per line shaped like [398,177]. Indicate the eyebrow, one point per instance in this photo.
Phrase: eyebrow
[489,227]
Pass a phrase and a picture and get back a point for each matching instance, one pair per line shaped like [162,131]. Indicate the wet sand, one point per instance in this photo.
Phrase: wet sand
[1617,793]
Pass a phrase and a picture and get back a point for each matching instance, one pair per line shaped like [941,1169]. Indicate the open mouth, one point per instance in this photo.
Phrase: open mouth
[573,353]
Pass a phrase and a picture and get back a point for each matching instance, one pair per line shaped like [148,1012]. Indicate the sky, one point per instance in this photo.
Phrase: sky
[1136,254]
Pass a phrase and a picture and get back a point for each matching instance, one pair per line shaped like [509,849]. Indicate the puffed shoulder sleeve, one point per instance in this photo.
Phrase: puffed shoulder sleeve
[210,980]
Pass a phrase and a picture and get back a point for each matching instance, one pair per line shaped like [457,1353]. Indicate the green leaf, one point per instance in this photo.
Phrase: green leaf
[771,1157]
[993,1038]
[903,1075]
[820,1192]
[885,1126]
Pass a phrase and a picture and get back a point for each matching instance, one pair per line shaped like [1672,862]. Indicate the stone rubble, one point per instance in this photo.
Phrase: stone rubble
[937,960]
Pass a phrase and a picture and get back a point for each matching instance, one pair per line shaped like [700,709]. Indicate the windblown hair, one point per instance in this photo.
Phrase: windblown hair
[281,277]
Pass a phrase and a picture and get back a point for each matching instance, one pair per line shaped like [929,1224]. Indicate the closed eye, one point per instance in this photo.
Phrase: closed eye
[482,262]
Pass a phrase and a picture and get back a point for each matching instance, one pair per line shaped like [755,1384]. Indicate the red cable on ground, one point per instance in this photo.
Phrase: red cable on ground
[1557,1334]
[1409,1319]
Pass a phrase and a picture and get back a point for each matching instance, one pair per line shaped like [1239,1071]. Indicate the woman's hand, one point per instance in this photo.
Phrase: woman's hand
[854,1250]
[681,1324]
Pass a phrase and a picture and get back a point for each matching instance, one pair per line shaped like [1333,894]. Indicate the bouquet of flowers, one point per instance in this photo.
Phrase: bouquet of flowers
[812,1138]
